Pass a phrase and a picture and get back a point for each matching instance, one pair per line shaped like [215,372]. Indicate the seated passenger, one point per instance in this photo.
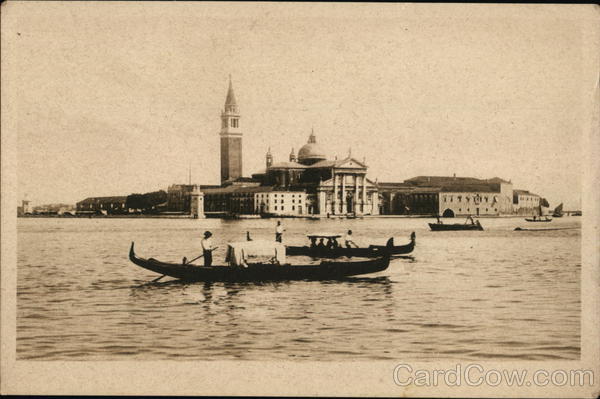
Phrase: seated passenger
[329,243]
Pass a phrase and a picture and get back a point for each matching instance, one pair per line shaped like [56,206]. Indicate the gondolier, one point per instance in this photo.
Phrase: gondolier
[279,231]
[348,240]
[207,248]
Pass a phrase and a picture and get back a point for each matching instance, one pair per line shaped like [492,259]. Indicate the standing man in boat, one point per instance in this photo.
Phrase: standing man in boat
[279,231]
[207,248]
[348,240]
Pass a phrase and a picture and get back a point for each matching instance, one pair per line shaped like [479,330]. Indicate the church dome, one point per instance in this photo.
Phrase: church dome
[311,152]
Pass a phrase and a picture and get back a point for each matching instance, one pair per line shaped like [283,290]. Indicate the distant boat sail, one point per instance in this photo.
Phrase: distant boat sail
[558,211]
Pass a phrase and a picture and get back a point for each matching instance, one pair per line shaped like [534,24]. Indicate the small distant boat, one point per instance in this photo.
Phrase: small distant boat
[558,211]
[550,229]
[241,268]
[538,220]
[440,226]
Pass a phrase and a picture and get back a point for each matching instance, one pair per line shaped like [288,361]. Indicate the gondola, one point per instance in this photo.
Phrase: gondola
[241,270]
[439,226]
[337,251]
[538,220]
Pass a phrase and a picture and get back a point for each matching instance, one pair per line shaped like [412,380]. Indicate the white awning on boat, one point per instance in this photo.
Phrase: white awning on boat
[262,251]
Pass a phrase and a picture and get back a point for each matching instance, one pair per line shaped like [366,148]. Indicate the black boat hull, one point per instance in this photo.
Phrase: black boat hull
[373,251]
[454,227]
[326,270]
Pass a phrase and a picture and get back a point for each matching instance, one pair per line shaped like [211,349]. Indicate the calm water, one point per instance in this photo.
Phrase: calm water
[497,294]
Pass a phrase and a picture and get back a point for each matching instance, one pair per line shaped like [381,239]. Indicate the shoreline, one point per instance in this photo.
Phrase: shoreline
[252,217]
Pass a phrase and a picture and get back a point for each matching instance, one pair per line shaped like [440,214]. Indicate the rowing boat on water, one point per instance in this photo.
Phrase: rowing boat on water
[550,229]
[538,220]
[241,268]
[440,226]
[372,251]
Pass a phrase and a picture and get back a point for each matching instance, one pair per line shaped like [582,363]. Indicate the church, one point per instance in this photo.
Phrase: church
[333,187]
[329,187]
[309,184]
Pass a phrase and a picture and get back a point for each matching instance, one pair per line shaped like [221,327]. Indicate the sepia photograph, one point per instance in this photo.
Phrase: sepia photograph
[322,199]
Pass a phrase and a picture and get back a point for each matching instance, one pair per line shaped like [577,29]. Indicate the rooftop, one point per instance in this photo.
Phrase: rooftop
[445,180]
[523,192]
[103,199]
[287,165]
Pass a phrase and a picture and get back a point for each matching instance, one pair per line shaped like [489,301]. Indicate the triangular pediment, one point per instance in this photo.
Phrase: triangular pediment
[329,183]
[350,163]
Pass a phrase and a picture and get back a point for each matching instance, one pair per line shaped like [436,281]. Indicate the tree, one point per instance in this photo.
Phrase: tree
[135,201]
[147,201]
[154,198]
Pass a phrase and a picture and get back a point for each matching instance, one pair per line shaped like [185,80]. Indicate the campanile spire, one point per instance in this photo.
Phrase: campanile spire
[231,138]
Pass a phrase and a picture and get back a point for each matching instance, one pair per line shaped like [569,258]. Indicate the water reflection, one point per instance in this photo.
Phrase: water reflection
[493,295]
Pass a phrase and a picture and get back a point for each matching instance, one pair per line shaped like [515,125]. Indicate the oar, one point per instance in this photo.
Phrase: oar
[186,262]
[196,258]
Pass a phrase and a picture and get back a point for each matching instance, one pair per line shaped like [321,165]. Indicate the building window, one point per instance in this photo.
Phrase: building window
[282,208]
[275,207]
[293,208]
[460,209]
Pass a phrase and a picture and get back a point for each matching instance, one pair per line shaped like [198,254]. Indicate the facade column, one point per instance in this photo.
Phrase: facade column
[375,202]
[335,194]
[344,209]
[364,193]
[322,201]
[356,196]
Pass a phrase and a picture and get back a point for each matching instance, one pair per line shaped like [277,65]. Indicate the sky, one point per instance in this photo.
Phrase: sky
[116,98]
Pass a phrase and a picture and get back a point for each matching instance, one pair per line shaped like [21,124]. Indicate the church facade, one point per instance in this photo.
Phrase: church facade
[332,187]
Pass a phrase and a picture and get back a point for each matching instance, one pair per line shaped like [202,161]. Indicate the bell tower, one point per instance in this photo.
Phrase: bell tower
[231,138]
[269,158]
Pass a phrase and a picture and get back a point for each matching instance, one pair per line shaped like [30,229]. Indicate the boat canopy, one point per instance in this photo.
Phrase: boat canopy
[323,235]
[260,251]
